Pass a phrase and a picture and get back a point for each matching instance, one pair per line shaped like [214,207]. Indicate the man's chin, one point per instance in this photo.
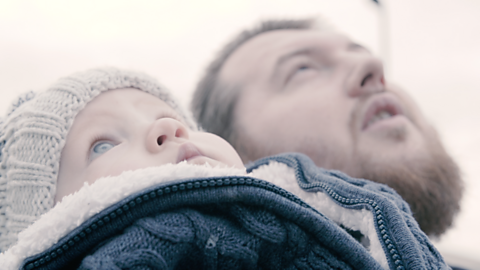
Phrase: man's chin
[433,188]
[394,128]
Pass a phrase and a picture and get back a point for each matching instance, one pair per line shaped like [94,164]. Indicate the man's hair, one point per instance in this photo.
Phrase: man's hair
[214,100]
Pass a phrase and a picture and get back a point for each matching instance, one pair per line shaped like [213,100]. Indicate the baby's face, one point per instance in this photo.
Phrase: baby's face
[128,129]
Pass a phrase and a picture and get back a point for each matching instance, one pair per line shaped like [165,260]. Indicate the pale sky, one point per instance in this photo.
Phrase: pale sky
[433,52]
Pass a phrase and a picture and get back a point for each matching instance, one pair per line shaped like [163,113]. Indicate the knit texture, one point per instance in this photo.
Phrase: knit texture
[33,134]
[229,236]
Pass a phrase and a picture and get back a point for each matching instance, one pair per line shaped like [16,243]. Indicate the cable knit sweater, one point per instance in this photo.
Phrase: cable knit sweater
[282,213]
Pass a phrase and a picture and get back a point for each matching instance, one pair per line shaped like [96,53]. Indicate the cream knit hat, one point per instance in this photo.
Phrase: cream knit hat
[33,134]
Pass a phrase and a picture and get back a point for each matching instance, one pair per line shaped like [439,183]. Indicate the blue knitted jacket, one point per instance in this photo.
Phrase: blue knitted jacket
[242,222]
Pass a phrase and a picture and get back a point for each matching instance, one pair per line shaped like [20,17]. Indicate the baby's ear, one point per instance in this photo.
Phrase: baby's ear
[22,98]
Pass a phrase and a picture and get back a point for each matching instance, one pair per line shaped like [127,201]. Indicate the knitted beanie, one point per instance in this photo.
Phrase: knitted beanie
[33,134]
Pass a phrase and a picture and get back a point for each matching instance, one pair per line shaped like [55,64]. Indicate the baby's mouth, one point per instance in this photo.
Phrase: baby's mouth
[187,151]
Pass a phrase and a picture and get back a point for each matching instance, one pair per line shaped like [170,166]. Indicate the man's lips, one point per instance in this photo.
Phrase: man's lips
[187,151]
[379,108]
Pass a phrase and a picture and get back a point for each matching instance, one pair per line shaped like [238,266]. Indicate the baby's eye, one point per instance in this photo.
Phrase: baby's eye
[100,148]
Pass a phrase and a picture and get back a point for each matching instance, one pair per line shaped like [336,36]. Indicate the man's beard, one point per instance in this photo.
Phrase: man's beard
[432,188]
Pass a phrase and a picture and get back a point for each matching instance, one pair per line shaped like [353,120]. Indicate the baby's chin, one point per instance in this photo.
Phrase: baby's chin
[202,160]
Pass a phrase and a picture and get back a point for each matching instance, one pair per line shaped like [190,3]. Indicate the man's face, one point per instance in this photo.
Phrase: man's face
[128,129]
[320,94]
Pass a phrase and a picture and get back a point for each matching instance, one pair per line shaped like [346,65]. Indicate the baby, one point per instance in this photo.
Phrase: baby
[135,184]
[127,129]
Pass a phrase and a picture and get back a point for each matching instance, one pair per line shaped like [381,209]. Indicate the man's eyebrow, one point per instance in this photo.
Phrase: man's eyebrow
[356,46]
[284,58]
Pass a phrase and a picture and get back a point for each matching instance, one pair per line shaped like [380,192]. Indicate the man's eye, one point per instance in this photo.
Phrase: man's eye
[303,68]
[100,148]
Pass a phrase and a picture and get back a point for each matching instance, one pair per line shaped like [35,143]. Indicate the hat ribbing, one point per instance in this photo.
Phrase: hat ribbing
[33,134]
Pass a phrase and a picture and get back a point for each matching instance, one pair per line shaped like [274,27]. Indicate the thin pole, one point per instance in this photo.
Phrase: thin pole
[384,35]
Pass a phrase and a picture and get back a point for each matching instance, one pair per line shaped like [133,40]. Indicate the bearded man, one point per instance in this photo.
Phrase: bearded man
[289,85]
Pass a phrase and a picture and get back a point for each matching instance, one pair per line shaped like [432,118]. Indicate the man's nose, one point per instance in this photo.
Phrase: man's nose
[163,131]
[367,77]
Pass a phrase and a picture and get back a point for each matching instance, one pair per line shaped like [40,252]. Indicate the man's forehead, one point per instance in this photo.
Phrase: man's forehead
[259,52]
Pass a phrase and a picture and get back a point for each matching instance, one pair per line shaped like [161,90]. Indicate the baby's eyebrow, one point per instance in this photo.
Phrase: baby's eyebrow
[98,115]
[92,122]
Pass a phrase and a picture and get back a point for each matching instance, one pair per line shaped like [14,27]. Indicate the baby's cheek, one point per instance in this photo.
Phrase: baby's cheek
[101,167]
[114,166]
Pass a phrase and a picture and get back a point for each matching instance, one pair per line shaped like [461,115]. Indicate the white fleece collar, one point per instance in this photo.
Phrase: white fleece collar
[76,208]
[357,220]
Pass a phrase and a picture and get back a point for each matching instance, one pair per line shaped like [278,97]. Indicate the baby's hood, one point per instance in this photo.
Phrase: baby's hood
[33,134]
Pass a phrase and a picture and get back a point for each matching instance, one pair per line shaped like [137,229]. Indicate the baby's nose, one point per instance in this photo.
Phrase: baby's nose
[164,130]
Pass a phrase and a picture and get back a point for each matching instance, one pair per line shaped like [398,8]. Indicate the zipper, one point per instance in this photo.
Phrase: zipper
[377,212]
